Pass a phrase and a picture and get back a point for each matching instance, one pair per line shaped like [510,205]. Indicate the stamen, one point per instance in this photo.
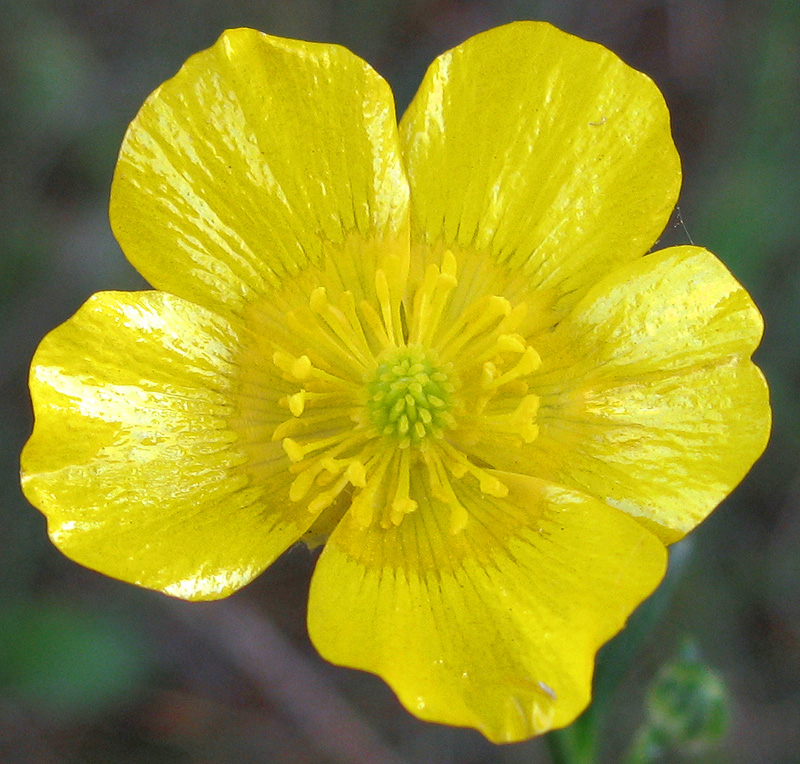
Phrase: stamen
[315,332]
[310,471]
[347,304]
[332,417]
[459,465]
[385,302]
[442,490]
[297,368]
[528,363]
[317,400]
[520,421]
[352,341]
[297,452]
[402,503]
[474,321]
[297,403]
[325,498]
[431,299]
[301,369]
[375,324]
[382,402]
[363,506]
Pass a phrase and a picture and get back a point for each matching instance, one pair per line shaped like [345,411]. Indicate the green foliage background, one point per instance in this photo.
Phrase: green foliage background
[92,670]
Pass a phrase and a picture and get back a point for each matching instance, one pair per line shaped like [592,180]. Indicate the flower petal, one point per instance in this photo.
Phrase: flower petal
[260,156]
[135,458]
[495,627]
[649,401]
[542,152]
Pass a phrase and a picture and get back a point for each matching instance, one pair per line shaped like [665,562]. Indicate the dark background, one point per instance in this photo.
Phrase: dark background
[92,670]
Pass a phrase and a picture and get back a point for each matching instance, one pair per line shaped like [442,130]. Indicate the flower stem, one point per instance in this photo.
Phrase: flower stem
[575,744]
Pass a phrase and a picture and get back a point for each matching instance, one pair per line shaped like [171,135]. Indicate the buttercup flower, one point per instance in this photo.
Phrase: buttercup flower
[439,348]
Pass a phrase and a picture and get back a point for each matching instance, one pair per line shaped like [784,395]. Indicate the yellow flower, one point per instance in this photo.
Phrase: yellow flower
[441,348]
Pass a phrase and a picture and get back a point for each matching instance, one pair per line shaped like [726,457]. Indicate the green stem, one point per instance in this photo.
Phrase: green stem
[645,749]
[575,744]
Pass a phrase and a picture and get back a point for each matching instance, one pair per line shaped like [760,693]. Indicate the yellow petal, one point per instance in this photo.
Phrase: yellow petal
[542,152]
[495,627]
[649,400]
[260,156]
[134,458]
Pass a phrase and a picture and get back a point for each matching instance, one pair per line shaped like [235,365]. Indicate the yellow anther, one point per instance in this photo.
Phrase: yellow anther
[498,305]
[284,429]
[283,361]
[301,485]
[511,343]
[404,505]
[458,468]
[490,485]
[515,317]
[293,450]
[325,498]
[301,368]
[520,422]
[356,473]
[329,464]
[318,300]
[530,361]
[458,518]
[297,403]
[449,264]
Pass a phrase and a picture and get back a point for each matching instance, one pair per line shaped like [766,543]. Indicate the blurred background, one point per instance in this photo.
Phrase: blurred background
[92,670]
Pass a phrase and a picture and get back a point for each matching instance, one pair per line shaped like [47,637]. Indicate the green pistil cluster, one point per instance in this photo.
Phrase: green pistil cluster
[410,395]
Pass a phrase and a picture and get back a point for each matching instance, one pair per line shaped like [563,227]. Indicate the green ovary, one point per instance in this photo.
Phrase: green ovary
[410,395]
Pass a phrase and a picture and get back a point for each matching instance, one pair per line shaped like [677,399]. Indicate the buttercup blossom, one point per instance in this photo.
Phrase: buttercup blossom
[440,349]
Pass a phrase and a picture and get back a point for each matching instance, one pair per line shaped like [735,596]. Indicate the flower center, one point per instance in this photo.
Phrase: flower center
[378,417]
[410,396]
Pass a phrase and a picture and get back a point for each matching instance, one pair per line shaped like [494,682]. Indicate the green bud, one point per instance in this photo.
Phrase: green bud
[688,702]
[687,710]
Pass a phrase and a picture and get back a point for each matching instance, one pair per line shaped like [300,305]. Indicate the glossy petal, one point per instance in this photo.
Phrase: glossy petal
[541,152]
[649,400]
[495,627]
[260,156]
[136,457]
